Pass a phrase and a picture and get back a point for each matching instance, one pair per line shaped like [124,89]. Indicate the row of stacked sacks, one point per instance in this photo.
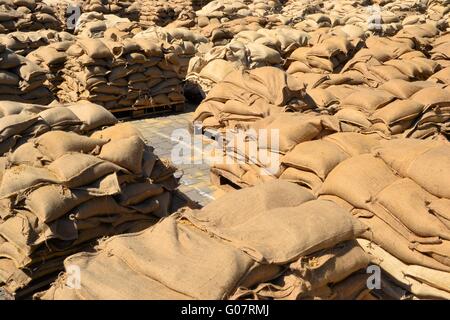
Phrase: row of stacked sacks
[21,79]
[162,13]
[291,256]
[121,74]
[245,96]
[25,42]
[391,58]
[401,192]
[220,11]
[27,15]
[179,41]
[62,191]
[99,25]
[247,50]
[440,53]
[398,188]
[21,122]
[52,59]
[125,9]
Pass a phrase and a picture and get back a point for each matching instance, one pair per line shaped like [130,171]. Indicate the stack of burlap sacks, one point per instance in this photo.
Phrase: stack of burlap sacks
[247,50]
[22,80]
[124,9]
[440,53]
[52,59]
[401,192]
[23,121]
[25,42]
[215,253]
[161,13]
[27,15]
[248,95]
[181,42]
[99,25]
[61,191]
[121,74]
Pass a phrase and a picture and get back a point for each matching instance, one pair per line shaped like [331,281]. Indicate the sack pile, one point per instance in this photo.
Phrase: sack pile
[385,59]
[396,108]
[176,41]
[248,95]
[99,25]
[63,190]
[121,74]
[52,59]
[124,9]
[22,80]
[327,56]
[441,54]
[161,13]
[25,42]
[22,121]
[401,192]
[290,257]
[257,154]
[247,50]
[30,15]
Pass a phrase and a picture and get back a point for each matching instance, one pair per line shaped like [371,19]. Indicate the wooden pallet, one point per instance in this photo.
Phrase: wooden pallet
[143,111]
[225,180]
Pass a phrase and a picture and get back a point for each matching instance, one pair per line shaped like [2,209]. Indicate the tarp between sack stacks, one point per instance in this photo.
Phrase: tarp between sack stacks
[62,191]
[27,15]
[22,80]
[266,242]
[121,74]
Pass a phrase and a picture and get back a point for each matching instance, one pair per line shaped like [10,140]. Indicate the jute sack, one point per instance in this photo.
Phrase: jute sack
[59,116]
[431,171]
[441,209]
[391,241]
[15,124]
[99,206]
[309,273]
[295,128]
[21,178]
[358,180]
[296,230]
[97,266]
[399,110]
[405,200]
[77,169]
[353,143]
[259,198]
[178,240]
[304,178]
[317,156]
[92,115]
[135,193]
[28,154]
[423,282]
[127,153]
[117,132]
[401,89]
[51,202]
[55,144]
[399,153]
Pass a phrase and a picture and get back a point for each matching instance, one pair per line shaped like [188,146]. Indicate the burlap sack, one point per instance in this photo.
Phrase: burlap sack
[305,224]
